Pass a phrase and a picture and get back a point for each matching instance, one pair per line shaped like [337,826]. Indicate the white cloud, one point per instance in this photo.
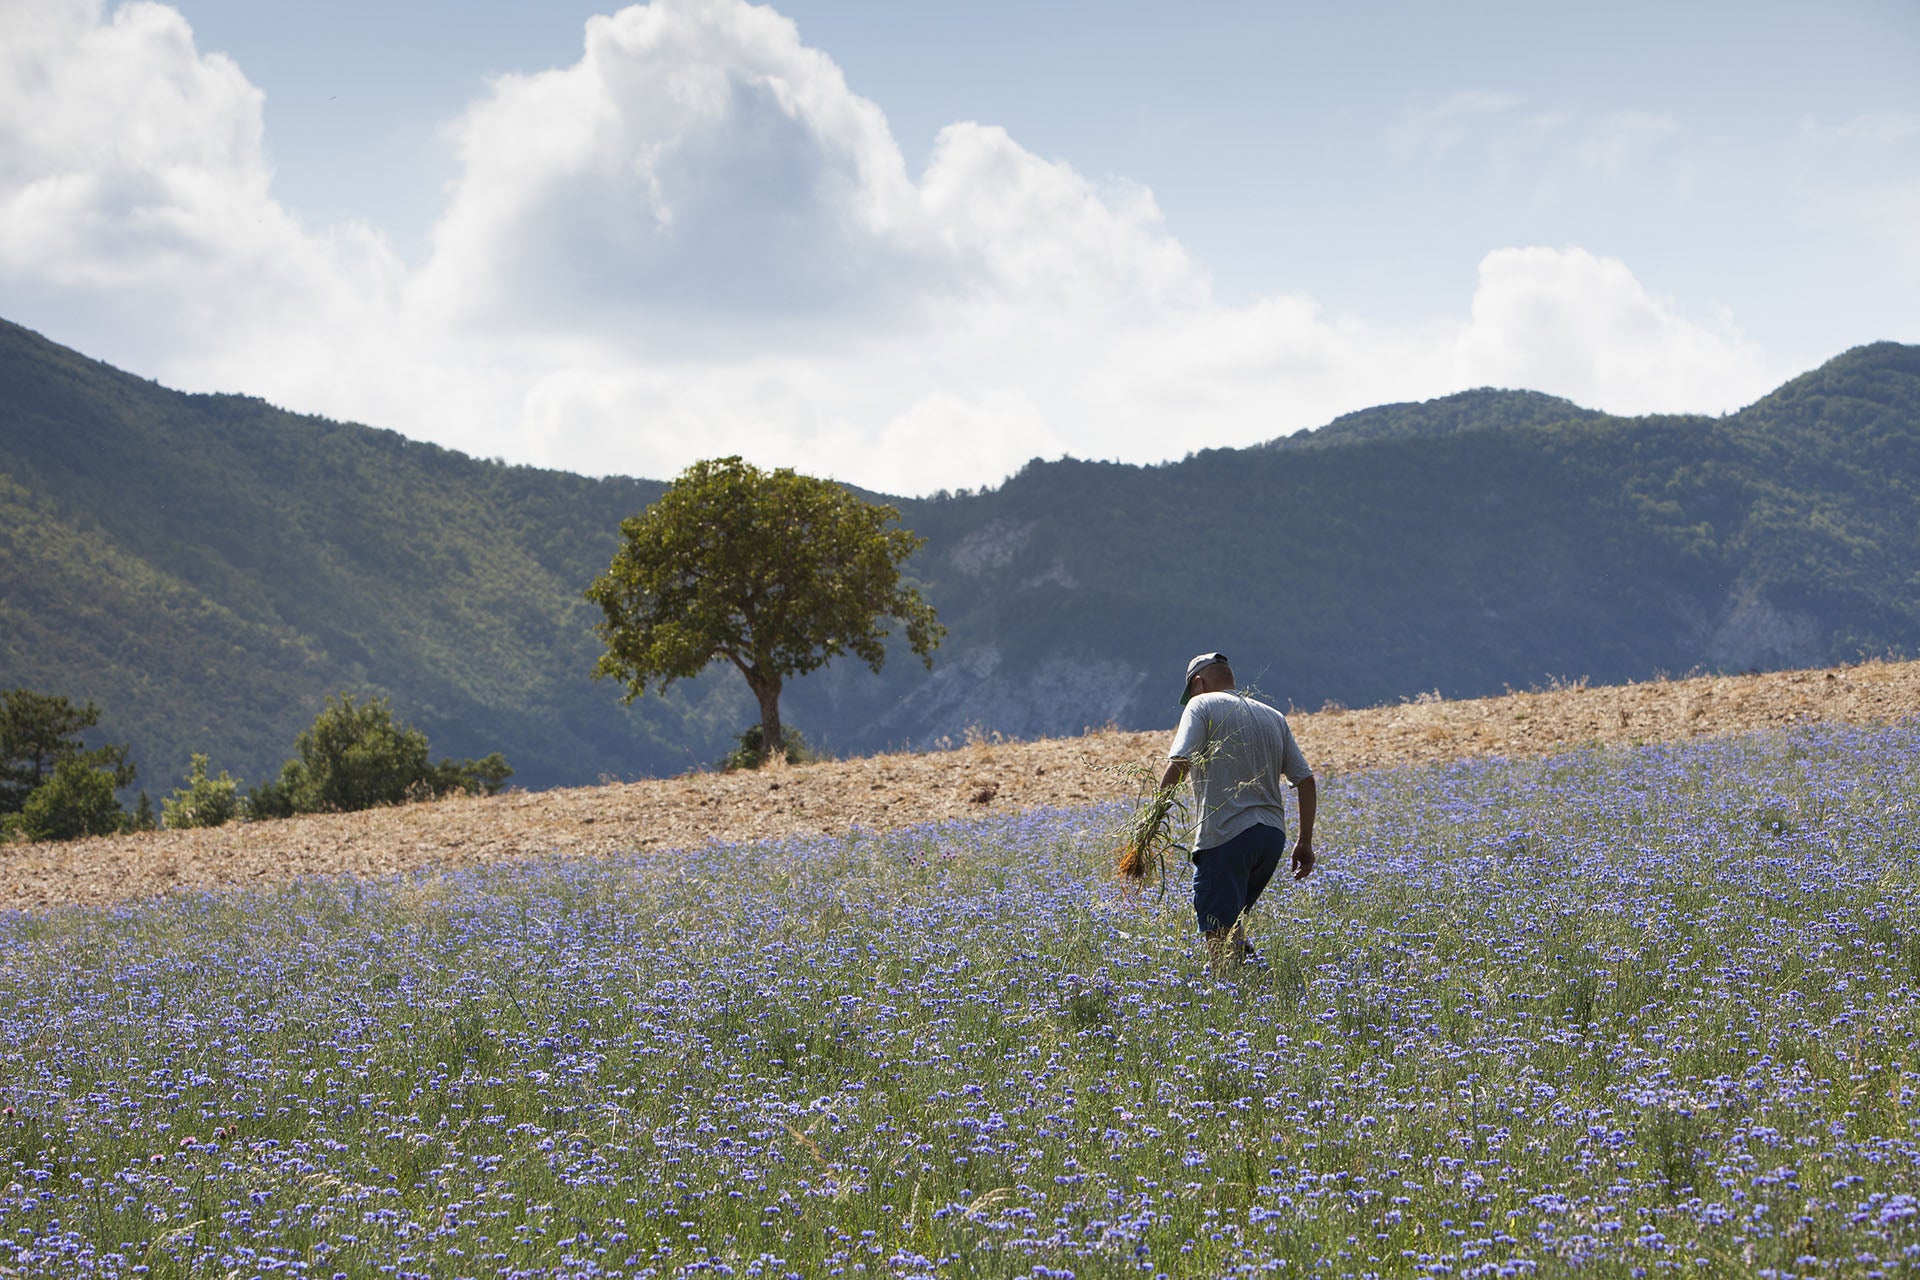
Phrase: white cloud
[134,195]
[698,172]
[710,234]
[1580,326]
[1026,232]
[696,240]
[1564,321]
[700,176]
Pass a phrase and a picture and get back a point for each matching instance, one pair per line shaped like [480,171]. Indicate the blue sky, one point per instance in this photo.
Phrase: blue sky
[912,245]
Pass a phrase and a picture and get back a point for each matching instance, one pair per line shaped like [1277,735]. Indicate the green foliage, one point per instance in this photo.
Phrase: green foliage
[76,800]
[356,757]
[485,776]
[51,786]
[775,572]
[37,732]
[210,568]
[750,750]
[1484,409]
[204,801]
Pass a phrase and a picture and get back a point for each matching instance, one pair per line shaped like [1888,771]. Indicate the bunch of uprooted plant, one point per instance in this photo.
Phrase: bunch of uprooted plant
[1150,832]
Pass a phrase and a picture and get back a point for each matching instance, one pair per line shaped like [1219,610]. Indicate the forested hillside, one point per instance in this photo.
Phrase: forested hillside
[208,568]
[1465,545]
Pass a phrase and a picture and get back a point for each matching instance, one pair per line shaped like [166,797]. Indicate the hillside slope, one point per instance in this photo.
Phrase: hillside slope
[1433,558]
[209,568]
[897,790]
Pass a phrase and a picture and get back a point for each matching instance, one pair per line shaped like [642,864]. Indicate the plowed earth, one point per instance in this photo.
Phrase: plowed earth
[877,792]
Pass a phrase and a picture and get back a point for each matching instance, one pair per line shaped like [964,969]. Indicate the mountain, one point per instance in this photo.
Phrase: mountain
[208,569]
[1464,411]
[1469,544]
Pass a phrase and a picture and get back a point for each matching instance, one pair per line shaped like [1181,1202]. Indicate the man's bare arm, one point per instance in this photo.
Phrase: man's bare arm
[1309,792]
[1176,772]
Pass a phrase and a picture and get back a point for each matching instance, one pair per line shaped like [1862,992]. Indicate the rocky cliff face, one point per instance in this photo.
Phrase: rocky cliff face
[971,692]
[980,691]
[1752,634]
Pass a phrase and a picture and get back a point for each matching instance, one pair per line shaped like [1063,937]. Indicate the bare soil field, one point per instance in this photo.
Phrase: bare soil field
[877,792]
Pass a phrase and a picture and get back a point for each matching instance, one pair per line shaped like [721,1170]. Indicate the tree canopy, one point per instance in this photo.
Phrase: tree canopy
[37,731]
[356,757]
[51,786]
[775,572]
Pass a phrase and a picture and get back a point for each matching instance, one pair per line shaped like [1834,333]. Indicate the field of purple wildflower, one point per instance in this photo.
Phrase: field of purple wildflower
[1617,1012]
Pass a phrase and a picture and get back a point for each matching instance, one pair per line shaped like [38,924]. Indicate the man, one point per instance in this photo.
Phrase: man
[1240,754]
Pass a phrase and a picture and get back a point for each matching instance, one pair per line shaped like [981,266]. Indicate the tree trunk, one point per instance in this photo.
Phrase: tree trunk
[773,739]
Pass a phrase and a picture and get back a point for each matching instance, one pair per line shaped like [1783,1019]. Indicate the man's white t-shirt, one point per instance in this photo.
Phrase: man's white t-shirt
[1239,749]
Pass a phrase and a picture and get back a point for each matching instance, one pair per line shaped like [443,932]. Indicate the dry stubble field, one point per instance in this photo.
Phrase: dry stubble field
[886,791]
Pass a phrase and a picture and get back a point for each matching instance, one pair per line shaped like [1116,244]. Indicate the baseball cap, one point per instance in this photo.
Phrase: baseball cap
[1201,661]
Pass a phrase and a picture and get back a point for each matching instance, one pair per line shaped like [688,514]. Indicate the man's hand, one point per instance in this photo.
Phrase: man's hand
[1303,857]
[1309,792]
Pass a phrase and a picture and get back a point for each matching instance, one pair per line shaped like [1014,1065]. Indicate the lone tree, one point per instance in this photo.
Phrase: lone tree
[778,573]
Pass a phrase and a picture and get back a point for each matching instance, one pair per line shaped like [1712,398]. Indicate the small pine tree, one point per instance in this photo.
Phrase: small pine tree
[37,732]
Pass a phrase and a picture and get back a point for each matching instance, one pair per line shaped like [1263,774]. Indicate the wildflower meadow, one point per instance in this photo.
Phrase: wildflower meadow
[1620,1012]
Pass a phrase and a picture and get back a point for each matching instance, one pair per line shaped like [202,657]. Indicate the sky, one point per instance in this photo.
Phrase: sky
[912,246]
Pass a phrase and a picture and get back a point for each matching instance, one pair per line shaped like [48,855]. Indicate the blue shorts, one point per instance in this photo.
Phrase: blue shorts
[1228,878]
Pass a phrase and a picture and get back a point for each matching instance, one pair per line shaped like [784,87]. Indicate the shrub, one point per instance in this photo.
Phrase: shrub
[77,800]
[485,776]
[749,751]
[356,757]
[204,801]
